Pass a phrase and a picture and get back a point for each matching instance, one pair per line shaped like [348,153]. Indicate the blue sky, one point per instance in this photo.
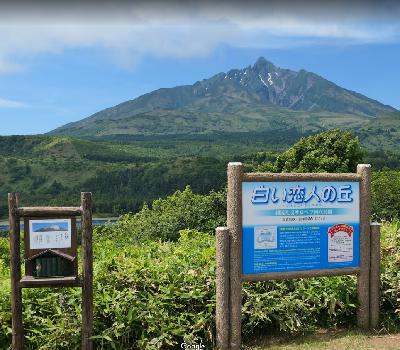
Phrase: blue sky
[37,225]
[61,65]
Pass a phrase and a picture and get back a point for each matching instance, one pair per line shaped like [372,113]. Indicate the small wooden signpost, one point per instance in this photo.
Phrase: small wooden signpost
[50,253]
[285,226]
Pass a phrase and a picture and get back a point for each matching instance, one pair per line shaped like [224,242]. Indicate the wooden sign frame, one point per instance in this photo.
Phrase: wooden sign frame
[28,281]
[229,275]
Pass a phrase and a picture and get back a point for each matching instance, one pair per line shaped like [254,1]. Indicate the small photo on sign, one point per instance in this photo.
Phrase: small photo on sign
[265,237]
[51,233]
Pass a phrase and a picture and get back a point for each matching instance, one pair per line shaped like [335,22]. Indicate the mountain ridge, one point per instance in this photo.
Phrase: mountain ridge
[262,86]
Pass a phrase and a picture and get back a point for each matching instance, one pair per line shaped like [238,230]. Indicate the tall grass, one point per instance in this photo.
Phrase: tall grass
[155,295]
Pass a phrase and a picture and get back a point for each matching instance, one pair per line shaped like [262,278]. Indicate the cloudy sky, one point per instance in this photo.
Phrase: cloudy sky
[61,63]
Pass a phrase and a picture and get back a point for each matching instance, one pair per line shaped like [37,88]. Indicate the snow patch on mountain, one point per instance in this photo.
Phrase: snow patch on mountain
[262,80]
[270,79]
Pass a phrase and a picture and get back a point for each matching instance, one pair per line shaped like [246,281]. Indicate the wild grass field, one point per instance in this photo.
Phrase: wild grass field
[157,293]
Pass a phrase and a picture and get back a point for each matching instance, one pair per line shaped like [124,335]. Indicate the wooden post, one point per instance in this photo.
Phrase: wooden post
[15,263]
[374,280]
[363,290]
[222,288]
[87,291]
[235,176]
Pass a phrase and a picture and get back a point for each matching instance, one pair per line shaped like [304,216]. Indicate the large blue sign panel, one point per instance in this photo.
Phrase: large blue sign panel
[293,226]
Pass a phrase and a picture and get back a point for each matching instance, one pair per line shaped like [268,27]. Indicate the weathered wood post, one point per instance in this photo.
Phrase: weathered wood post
[234,206]
[87,273]
[363,312]
[15,264]
[222,288]
[374,280]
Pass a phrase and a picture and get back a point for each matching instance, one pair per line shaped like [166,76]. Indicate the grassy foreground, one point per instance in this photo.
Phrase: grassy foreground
[335,340]
[150,294]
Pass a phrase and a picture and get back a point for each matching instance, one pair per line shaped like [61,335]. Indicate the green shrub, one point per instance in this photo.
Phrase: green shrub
[148,296]
[386,194]
[155,295]
[167,216]
[4,251]
[335,151]
[390,275]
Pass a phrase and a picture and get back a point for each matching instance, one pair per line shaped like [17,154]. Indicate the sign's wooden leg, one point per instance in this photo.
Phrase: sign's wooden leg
[363,312]
[235,174]
[222,288]
[87,291]
[15,263]
[374,280]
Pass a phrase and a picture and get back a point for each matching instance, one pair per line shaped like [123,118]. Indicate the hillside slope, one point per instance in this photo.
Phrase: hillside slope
[240,100]
[53,170]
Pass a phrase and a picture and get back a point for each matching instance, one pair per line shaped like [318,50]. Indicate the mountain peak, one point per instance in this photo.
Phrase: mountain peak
[262,65]
[262,86]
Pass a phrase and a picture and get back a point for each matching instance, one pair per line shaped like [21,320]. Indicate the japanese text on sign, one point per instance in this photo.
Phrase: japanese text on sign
[289,226]
[298,194]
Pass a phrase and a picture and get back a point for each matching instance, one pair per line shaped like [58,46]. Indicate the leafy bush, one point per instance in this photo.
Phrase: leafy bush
[386,194]
[156,295]
[390,276]
[4,251]
[146,296]
[159,294]
[334,151]
[167,216]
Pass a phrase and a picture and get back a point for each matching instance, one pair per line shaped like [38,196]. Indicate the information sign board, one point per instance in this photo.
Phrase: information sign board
[50,233]
[295,226]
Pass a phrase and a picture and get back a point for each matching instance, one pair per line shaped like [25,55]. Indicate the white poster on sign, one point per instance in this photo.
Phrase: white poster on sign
[340,243]
[50,233]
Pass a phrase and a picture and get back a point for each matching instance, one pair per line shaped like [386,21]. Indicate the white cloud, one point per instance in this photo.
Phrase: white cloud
[4,103]
[130,32]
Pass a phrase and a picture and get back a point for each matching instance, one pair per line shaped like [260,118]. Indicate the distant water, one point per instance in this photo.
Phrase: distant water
[96,222]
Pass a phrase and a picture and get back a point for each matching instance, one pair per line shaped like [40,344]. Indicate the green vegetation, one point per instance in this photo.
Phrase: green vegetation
[155,270]
[386,194]
[168,216]
[151,294]
[123,174]
[54,170]
[334,152]
[239,100]
[193,122]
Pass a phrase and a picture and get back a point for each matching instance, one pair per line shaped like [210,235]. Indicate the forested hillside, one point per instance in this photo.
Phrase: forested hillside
[53,170]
